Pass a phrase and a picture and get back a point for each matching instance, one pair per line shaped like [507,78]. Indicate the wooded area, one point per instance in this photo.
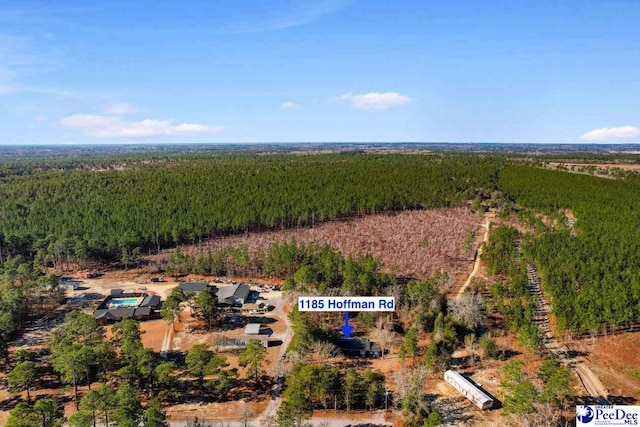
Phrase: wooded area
[592,276]
[85,214]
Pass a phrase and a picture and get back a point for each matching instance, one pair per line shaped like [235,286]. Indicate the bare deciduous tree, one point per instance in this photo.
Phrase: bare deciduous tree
[269,421]
[468,310]
[383,334]
[546,414]
[245,417]
[321,351]
[410,379]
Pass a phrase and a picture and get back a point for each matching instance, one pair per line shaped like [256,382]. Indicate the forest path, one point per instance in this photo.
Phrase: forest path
[166,342]
[476,264]
[559,351]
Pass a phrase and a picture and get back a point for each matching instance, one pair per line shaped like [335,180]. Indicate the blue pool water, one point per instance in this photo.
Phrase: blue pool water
[125,301]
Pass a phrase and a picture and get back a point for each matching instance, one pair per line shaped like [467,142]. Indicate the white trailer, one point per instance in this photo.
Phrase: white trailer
[468,390]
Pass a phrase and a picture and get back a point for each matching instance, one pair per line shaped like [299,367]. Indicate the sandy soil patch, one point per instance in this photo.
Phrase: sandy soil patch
[616,362]
[216,411]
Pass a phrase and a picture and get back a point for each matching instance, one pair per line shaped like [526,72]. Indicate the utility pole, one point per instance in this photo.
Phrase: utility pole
[386,398]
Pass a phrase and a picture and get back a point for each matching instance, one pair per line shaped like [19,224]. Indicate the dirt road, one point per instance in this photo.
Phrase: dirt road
[275,402]
[476,264]
[376,420]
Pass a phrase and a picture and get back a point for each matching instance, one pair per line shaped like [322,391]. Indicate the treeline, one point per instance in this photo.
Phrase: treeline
[25,293]
[510,295]
[311,266]
[593,275]
[312,387]
[82,214]
[539,400]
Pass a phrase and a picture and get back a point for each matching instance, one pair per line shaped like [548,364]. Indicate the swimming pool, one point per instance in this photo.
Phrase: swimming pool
[125,301]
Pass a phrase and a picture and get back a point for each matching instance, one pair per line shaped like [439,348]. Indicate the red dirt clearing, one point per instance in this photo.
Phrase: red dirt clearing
[616,362]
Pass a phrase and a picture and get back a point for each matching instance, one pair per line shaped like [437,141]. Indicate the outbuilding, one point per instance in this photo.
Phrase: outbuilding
[468,390]
[252,329]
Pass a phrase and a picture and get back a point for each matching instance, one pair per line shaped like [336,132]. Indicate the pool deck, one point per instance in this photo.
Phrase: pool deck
[130,302]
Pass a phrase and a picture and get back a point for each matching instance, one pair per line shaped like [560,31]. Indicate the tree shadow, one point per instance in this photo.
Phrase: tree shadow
[47,382]
[497,404]
[572,354]
[173,356]
[613,400]
[11,402]
[588,400]
[452,410]
[366,425]
[622,400]
[236,321]
[93,296]
[507,354]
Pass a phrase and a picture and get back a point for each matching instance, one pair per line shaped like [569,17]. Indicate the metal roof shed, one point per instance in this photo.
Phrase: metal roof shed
[252,329]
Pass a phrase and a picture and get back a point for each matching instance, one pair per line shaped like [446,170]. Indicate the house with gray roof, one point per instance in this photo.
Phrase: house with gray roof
[151,301]
[196,287]
[233,295]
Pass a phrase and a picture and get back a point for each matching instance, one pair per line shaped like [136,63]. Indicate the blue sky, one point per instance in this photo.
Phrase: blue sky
[319,70]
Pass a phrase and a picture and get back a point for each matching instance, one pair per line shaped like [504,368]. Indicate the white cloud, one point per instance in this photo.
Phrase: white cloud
[619,134]
[292,14]
[121,108]
[375,101]
[20,56]
[114,127]
[60,93]
[290,105]
[41,118]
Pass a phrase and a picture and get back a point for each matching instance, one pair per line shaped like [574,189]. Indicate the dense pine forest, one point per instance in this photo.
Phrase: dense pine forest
[592,275]
[107,214]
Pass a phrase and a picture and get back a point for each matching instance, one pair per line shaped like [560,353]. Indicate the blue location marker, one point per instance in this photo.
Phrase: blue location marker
[346,329]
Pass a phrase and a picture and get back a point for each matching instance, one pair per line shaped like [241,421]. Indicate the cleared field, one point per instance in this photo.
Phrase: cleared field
[411,243]
[615,362]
